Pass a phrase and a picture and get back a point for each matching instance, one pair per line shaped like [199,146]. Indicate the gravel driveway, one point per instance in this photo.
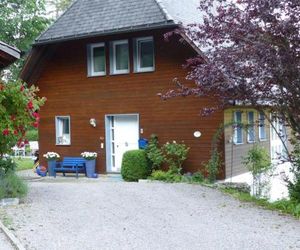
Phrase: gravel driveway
[4,243]
[116,215]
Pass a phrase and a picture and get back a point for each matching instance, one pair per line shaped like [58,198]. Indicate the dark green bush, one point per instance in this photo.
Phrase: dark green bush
[168,176]
[12,186]
[198,177]
[135,165]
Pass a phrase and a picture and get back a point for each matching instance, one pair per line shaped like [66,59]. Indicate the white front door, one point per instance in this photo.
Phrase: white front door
[123,135]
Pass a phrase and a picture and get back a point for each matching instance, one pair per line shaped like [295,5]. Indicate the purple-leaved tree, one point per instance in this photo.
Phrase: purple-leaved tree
[251,54]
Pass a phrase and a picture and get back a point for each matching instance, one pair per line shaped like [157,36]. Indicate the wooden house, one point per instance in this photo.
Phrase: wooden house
[101,66]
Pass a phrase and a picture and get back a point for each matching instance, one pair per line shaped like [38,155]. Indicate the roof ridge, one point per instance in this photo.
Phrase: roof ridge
[57,19]
[164,10]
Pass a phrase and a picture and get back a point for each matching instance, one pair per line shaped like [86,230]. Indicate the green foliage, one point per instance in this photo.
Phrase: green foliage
[59,6]
[257,160]
[294,185]
[23,163]
[154,153]
[213,165]
[6,165]
[21,22]
[198,177]
[168,176]
[32,135]
[18,113]
[284,206]
[135,165]
[175,154]
[12,186]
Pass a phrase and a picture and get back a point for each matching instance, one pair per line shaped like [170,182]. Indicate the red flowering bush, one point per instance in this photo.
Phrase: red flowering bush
[19,106]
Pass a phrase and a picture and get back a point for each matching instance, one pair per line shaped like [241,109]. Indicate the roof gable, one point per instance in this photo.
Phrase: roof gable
[86,18]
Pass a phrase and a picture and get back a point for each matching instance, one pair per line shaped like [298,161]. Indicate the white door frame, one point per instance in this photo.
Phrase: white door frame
[108,137]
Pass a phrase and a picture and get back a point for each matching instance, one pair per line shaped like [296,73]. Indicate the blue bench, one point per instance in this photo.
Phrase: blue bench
[70,165]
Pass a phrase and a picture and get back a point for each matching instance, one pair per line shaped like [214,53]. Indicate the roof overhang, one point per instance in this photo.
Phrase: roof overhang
[169,24]
[8,55]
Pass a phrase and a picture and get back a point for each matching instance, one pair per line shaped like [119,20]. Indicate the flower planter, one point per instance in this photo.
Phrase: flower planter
[90,166]
[51,167]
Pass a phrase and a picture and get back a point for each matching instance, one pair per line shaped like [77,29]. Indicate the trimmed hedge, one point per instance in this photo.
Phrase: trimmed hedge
[135,165]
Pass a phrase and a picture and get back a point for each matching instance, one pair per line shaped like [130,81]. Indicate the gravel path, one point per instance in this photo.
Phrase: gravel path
[4,243]
[116,215]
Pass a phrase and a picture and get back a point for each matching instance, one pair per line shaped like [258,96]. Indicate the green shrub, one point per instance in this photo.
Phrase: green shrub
[32,135]
[294,189]
[12,186]
[213,165]
[154,153]
[6,165]
[168,176]
[135,165]
[198,177]
[175,154]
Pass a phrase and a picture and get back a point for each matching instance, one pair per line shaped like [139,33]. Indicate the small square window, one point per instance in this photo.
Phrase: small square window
[119,57]
[62,127]
[144,54]
[96,59]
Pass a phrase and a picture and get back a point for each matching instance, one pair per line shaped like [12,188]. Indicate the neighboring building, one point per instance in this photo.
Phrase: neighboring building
[101,66]
[8,55]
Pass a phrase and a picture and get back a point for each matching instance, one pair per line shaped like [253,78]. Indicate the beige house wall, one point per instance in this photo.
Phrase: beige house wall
[234,153]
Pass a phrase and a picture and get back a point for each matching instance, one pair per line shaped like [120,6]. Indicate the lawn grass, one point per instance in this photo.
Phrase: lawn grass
[283,206]
[24,163]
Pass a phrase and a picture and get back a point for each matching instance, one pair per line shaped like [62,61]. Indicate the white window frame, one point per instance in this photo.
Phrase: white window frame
[138,68]
[252,126]
[236,129]
[56,130]
[114,70]
[260,114]
[91,59]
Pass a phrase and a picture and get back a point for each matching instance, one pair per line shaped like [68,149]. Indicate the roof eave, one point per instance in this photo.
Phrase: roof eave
[169,24]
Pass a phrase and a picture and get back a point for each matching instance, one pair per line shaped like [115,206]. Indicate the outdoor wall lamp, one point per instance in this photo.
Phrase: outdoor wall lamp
[93,122]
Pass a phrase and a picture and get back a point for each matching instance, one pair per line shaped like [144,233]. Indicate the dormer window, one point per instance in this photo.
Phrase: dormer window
[96,59]
[144,54]
[119,57]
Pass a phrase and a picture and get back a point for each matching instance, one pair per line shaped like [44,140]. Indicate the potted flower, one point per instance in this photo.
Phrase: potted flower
[90,163]
[51,158]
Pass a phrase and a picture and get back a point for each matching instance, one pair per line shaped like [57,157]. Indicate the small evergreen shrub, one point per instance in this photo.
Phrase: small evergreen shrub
[135,165]
[198,177]
[154,153]
[294,189]
[168,176]
[12,186]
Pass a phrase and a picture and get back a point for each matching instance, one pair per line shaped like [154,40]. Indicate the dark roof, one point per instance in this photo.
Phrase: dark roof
[8,55]
[86,18]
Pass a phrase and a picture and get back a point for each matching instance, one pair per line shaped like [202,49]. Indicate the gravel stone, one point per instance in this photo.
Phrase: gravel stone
[117,215]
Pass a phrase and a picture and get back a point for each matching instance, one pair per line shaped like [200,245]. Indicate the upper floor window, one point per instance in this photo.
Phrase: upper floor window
[144,54]
[262,127]
[251,130]
[96,59]
[62,127]
[119,57]
[238,129]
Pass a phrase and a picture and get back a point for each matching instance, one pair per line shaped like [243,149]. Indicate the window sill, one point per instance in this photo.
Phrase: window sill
[96,75]
[263,140]
[251,142]
[237,144]
[63,144]
[119,73]
[144,71]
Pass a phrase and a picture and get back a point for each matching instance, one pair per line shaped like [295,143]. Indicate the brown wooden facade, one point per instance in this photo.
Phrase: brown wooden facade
[70,92]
